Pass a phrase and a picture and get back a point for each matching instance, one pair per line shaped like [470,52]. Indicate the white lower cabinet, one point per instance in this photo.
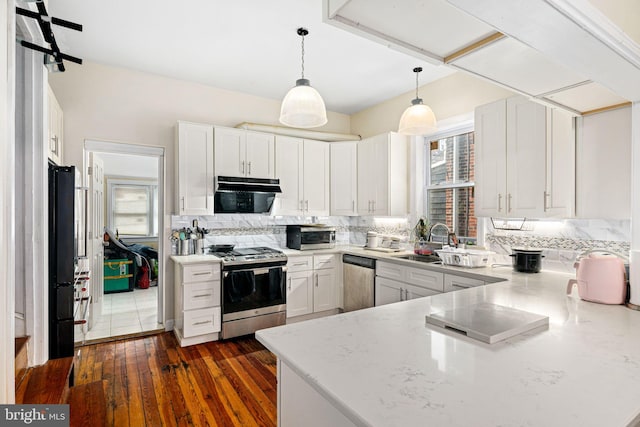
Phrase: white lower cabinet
[397,282]
[311,284]
[455,283]
[197,303]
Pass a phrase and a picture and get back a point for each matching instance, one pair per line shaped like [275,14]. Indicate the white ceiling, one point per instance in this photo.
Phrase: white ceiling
[248,46]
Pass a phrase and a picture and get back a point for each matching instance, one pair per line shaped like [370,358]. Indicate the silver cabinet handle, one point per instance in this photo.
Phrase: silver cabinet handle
[202,296]
[316,280]
[546,197]
[401,294]
[509,203]
[289,282]
[499,202]
[242,166]
[353,206]
[204,273]
[298,263]
[406,294]
[306,203]
[302,205]
[373,204]
[460,286]
[182,201]
[249,168]
[203,323]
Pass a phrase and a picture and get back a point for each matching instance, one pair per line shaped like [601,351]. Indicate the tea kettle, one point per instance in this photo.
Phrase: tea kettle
[601,277]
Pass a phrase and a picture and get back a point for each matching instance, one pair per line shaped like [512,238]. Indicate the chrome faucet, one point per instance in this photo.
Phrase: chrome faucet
[452,240]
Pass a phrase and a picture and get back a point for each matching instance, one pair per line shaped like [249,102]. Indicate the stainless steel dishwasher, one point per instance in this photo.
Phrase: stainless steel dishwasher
[358,274]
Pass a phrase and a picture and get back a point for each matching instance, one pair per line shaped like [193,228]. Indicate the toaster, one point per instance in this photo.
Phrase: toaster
[600,278]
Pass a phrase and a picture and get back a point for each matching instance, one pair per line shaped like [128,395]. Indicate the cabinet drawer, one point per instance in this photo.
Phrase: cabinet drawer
[324,261]
[300,263]
[390,270]
[425,278]
[201,295]
[200,322]
[200,272]
[455,283]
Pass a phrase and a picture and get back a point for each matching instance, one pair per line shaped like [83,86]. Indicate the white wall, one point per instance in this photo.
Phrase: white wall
[448,97]
[126,165]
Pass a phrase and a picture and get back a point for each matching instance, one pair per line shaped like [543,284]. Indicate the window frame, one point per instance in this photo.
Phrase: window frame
[152,209]
[460,129]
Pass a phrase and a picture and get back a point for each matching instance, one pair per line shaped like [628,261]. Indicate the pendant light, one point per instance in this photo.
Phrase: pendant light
[418,119]
[302,106]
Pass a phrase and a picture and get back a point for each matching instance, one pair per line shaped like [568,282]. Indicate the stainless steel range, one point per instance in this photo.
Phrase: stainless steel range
[253,290]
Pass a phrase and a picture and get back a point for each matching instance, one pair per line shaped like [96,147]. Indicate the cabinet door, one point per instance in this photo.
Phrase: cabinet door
[560,191]
[230,155]
[526,145]
[324,291]
[413,292]
[289,164]
[260,155]
[455,283]
[299,293]
[344,178]
[366,178]
[55,128]
[316,178]
[380,175]
[425,278]
[603,163]
[388,291]
[490,164]
[195,169]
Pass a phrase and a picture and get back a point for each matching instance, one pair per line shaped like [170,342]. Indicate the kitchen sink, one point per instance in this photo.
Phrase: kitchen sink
[431,259]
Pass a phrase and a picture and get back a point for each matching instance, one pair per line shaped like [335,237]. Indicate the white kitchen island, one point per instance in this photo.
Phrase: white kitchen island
[385,367]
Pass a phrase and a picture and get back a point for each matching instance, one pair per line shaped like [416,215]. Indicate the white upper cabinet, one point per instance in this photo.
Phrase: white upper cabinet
[524,160]
[303,169]
[195,169]
[382,175]
[244,153]
[56,127]
[344,178]
[603,165]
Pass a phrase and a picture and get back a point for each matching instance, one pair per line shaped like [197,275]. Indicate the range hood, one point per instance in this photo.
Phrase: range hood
[245,195]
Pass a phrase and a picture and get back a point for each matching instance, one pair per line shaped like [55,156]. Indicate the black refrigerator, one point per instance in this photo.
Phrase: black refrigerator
[61,260]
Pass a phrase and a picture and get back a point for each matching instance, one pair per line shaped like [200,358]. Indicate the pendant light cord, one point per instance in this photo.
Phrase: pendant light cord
[302,56]
[417,72]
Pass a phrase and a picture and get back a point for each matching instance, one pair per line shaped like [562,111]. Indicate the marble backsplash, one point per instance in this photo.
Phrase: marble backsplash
[247,230]
[561,241]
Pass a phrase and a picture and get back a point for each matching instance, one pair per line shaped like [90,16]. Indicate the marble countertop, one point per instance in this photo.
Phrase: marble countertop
[384,366]
[194,259]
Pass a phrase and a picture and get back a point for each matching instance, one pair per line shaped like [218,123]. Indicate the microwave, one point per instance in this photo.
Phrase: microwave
[310,236]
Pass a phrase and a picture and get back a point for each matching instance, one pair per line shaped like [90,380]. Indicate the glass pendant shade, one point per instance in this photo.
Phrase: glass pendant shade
[417,120]
[303,107]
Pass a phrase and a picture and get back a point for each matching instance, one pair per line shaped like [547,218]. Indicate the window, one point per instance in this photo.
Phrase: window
[133,207]
[449,184]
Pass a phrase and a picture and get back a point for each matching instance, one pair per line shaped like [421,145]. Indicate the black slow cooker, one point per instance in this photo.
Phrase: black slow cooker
[527,260]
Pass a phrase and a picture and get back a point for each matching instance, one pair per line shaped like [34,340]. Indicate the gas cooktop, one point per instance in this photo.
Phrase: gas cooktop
[251,256]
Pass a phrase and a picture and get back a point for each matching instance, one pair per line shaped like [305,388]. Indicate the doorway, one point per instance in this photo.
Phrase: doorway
[125,184]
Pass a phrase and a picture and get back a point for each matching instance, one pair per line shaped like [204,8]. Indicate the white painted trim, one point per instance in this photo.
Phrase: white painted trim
[634,259]
[7,196]
[122,148]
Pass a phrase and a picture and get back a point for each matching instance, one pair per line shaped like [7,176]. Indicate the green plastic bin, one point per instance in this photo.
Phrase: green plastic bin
[116,275]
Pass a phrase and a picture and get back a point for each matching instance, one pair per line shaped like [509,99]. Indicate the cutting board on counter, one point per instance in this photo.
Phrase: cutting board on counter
[488,322]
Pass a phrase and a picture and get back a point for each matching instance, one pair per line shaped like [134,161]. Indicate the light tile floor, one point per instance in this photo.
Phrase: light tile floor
[124,313]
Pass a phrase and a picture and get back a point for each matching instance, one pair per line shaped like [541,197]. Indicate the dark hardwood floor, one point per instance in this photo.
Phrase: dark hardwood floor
[152,381]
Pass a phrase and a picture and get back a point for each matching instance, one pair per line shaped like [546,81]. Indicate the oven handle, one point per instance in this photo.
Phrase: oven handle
[256,271]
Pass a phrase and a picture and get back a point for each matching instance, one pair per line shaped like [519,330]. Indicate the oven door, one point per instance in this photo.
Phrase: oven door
[253,292]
